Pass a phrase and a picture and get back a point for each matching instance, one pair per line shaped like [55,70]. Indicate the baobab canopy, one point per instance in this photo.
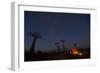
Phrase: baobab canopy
[36,36]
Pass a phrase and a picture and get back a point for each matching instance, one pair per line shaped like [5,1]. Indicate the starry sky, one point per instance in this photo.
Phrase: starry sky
[54,26]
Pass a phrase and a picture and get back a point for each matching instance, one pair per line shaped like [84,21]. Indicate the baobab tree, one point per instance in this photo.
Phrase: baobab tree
[35,37]
[63,44]
[58,48]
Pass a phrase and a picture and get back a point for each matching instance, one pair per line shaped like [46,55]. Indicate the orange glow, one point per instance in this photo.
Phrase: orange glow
[74,51]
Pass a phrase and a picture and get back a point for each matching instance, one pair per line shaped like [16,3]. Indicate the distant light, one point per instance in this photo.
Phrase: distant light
[80,54]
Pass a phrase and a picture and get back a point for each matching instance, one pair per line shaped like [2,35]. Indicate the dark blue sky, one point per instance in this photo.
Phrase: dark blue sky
[74,28]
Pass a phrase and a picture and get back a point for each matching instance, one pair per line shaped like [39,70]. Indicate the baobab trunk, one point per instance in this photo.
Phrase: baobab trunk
[63,45]
[33,45]
[58,48]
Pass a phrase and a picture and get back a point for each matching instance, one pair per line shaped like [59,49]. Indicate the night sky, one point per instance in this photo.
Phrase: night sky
[74,28]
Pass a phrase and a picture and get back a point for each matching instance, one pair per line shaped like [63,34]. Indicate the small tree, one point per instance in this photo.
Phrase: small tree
[63,44]
[58,48]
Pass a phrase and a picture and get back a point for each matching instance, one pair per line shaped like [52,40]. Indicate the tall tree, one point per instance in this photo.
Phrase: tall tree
[35,37]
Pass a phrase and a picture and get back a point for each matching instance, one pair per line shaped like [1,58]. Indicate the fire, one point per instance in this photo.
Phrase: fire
[74,51]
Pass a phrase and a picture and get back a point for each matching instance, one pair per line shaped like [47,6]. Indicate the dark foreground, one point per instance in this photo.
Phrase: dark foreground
[44,56]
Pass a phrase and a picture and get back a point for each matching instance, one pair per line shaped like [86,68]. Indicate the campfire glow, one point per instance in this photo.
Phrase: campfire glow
[74,51]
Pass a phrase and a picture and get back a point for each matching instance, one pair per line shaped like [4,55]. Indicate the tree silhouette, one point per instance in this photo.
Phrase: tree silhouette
[35,36]
[58,48]
[63,44]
